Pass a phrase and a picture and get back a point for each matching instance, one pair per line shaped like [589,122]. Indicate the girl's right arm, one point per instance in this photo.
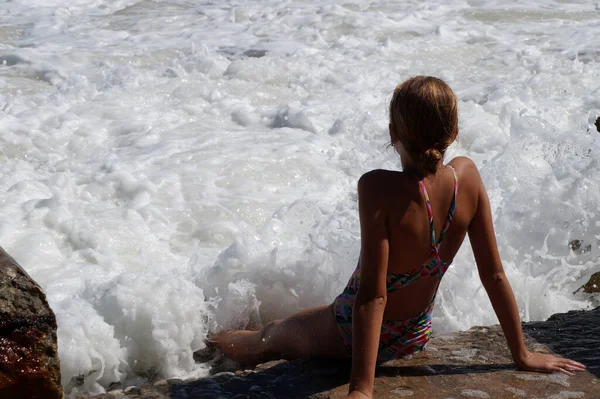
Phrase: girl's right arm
[489,265]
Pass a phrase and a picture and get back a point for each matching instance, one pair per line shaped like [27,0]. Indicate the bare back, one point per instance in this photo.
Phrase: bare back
[408,226]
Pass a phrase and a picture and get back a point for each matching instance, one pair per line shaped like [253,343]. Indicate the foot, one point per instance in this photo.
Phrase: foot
[207,354]
[210,352]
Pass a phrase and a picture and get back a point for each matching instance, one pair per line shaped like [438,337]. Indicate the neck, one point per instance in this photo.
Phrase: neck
[409,166]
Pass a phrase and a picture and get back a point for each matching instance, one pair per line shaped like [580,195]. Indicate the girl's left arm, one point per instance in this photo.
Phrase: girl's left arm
[369,304]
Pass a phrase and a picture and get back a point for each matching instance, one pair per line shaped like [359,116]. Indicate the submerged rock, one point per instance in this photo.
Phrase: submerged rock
[470,364]
[579,247]
[255,53]
[29,365]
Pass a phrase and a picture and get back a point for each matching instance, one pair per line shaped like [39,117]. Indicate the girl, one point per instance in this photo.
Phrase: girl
[412,225]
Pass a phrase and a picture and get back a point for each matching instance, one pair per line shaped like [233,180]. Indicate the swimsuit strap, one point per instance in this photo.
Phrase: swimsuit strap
[429,212]
[450,211]
[436,244]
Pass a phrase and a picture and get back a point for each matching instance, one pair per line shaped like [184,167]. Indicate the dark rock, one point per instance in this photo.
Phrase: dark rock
[255,53]
[598,124]
[574,335]
[29,365]
[236,53]
[474,363]
[579,247]
[593,285]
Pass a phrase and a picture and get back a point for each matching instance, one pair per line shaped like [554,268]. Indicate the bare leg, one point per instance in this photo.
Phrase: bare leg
[311,332]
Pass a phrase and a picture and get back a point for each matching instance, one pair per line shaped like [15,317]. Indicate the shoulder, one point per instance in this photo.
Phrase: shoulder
[374,178]
[371,186]
[469,180]
[373,194]
[465,169]
[382,187]
[462,162]
[379,180]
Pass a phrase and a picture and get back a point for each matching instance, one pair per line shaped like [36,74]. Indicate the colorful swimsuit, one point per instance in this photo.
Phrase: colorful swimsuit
[400,337]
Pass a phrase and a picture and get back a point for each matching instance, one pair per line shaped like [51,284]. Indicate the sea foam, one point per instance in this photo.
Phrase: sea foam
[172,168]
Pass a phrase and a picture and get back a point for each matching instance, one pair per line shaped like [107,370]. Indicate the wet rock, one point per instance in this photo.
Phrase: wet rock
[29,365]
[579,247]
[236,53]
[593,285]
[470,364]
[131,390]
[573,335]
[255,53]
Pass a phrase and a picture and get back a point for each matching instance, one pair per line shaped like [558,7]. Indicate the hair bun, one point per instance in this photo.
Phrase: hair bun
[433,154]
[430,160]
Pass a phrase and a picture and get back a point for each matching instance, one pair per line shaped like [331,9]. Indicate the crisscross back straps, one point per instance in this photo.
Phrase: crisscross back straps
[436,244]
[429,212]
[450,211]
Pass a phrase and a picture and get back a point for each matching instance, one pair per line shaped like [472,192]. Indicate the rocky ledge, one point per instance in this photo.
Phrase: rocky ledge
[469,364]
[29,365]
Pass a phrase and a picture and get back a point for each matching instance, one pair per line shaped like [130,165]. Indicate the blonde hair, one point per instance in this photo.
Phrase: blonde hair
[424,117]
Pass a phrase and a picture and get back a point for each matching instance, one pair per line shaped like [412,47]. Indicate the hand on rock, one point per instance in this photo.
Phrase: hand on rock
[549,363]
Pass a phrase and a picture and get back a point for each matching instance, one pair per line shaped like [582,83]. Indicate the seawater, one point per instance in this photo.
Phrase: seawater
[174,167]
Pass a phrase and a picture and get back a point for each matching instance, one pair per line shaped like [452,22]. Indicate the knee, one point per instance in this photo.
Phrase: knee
[216,339]
[269,336]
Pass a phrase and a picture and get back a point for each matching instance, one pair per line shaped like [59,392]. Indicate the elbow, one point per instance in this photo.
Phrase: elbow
[369,306]
[497,278]
[379,301]
[371,301]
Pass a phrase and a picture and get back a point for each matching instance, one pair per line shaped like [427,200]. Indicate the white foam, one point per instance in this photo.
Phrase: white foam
[171,167]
